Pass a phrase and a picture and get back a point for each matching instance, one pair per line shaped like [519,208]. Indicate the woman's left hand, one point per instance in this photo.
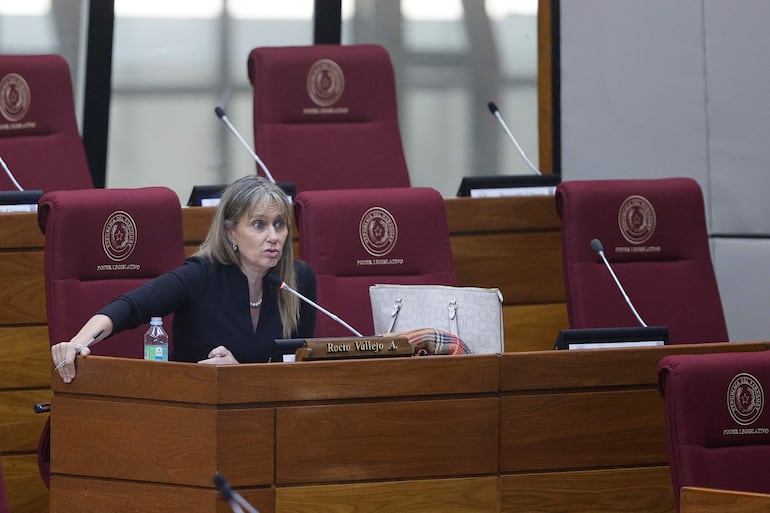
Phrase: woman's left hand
[220,355]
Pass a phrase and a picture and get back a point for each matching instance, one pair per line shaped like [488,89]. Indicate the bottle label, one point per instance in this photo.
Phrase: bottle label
[156,352]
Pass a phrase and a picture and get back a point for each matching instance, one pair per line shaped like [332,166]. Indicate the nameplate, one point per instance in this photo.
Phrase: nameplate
[338,348]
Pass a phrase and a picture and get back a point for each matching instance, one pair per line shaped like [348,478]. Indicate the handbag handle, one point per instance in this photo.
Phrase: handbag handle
[452,312]
[451,315]
[397,304]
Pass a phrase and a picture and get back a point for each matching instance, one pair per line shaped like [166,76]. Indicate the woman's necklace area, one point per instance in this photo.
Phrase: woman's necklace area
[255,304]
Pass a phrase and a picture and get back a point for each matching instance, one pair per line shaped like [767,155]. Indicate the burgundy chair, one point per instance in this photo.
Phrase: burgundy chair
[100,243]
[325,116]
[654,236]
[39,138]
[355,238]
[716,420]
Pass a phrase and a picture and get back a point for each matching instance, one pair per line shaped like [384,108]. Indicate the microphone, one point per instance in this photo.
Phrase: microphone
[10,175]
[275,280]
[597,247]
[233,498]
[496,113]
[220,112]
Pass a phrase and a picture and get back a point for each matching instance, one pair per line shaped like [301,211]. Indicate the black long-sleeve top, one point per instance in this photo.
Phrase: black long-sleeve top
[210,303]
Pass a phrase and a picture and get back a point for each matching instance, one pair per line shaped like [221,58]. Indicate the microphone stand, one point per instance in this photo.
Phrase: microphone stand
[10,175]
[496,113]
[220,112]
[596,245]
[275,280]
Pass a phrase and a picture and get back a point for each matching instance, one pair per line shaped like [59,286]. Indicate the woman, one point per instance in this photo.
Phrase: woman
[225,311]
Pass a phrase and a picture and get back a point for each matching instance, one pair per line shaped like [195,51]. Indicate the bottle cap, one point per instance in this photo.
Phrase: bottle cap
[156,321]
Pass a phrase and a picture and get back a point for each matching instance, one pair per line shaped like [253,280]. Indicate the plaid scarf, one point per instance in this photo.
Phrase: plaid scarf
[429,341]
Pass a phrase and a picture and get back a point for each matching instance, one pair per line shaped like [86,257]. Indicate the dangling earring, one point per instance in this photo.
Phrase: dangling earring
[235,247]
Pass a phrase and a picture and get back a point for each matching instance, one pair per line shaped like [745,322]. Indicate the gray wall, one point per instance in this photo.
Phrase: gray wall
[657,88]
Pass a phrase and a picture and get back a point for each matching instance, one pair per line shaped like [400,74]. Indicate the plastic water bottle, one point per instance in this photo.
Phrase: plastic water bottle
[156,341]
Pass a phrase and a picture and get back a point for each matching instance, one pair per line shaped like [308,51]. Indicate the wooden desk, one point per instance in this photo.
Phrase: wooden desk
[708,500]
[557,431]
[130,435]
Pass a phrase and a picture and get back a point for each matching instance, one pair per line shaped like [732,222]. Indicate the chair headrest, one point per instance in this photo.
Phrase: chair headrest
[322,83]
[648,219]
[116,232]
[39,138]
[718,398]
[392,231]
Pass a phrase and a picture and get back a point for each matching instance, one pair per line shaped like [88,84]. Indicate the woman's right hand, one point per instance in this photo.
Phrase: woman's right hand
[63,355]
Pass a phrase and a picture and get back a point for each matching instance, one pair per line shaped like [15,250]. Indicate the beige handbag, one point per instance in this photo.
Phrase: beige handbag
[474,314]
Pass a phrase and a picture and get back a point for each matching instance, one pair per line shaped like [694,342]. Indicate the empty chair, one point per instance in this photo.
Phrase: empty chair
[717,424]
[654,236]
[325,116]
[100,243]
[359,237]
[39,139]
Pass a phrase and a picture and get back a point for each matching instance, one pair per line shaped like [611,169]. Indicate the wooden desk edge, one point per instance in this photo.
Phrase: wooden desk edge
[713,500]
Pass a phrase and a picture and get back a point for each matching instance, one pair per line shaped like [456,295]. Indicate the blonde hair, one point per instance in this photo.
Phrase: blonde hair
[248,195]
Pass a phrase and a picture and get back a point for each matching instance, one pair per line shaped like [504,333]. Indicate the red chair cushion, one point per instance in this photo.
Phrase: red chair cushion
[356,238]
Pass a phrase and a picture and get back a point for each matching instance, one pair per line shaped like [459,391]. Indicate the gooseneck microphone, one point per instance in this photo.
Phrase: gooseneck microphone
[275,280]
[233,498]
[10,175]
[496,113]
[597,247]
[220,112]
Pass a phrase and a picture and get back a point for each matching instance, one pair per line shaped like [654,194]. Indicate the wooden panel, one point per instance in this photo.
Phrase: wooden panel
[709,500]
[245,445]
[355,442]
[21,426]
[470,495]
[22,289]
[370,378]
[124,377]
[25,490]
[20,230]
[469,215]
[68,495]
[620,490]
[195,223]
[32,342]
[464,216]
[582,430]
[526,267]
[533,327]
[161,443]
[609,367]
